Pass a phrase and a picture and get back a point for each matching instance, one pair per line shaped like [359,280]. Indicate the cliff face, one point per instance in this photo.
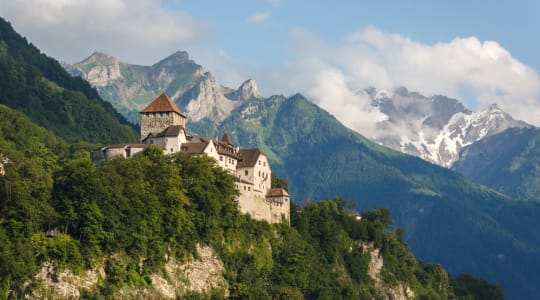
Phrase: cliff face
[200,275]
[376,263]
[203,274]
[100,69]
[208,100]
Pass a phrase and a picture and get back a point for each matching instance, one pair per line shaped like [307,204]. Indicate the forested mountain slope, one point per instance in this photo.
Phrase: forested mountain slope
[128,220]
[508,162]
[37,85]
[447,218]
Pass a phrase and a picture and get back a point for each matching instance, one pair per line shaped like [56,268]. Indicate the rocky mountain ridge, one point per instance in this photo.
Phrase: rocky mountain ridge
[129,87]
[434,128]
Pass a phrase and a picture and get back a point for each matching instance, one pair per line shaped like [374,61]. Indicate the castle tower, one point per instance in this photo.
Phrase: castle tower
[160,114]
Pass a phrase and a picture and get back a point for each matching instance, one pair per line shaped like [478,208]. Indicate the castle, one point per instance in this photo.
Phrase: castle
[163,124]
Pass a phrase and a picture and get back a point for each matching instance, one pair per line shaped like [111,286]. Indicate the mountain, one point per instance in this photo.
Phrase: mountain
[508,162]
[129,87]
[37,85]
[134,229]
[433,128]
[447,219]
[131,212]
[435,206]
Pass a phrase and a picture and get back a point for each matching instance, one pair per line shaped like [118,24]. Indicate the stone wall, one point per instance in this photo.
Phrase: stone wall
[157,122]
[254,203]
[280,209]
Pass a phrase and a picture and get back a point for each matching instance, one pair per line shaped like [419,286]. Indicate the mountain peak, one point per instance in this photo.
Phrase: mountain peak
[493,107]
[100,69]
[177,58]
[99,58]
[248,89]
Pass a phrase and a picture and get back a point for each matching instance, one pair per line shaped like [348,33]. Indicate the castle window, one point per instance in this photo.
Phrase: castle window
[171,150]
[220,158]
[247,172]
[249,188]
[264,163]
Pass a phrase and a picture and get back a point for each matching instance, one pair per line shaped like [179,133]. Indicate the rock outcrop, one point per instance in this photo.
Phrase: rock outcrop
[376,263]
[208,100]
[247,90]
[101,69]
[65,283]
[200,275]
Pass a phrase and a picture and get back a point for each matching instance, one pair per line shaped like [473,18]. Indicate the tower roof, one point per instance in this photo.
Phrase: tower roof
[162,104]
[226,139]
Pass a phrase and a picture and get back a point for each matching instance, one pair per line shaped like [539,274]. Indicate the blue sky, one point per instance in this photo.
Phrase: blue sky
[480,52]
[513,24]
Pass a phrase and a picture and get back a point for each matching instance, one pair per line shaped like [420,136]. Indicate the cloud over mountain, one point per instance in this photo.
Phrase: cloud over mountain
[476,72]
[327,72]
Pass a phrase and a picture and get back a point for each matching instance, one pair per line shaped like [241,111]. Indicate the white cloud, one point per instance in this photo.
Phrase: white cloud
[326,73]
[258,17]
[134,30]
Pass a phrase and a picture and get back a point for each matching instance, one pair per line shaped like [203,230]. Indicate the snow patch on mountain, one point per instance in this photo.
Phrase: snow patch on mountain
[433,128]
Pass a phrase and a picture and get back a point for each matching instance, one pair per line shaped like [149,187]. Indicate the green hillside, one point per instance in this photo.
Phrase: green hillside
[508,162]
[129,215]
[447,219]
[38,86]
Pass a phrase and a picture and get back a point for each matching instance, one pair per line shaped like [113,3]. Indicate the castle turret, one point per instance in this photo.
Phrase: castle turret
[160,114]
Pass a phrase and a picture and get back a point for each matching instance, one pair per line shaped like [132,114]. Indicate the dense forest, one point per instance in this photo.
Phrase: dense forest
[37,85]
[131,215]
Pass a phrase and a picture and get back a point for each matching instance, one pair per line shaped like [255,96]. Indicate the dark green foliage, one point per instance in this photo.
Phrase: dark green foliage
[279,182]
[19,48]
[38,86]
[131,214]
[436,207]
[470,287]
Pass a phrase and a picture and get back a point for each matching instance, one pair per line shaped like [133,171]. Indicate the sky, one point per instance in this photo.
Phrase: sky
[480,52]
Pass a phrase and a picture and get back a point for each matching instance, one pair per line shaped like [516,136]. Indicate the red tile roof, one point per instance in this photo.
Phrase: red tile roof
[162,104]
